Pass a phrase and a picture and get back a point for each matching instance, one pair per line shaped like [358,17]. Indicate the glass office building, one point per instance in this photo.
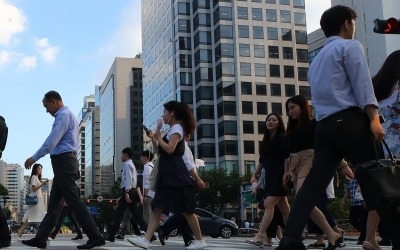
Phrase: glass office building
[233,61]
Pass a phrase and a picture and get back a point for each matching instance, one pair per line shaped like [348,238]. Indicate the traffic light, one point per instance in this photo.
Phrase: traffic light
[389,26]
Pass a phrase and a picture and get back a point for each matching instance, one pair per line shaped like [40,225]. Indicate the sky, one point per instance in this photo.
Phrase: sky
[67,46]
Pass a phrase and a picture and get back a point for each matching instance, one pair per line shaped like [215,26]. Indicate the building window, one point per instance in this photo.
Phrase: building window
[270,1]
[183,25]
[229,108]
[248,147]
[225,13]
[272,33]
[244,49]
[276,107]
[250,167]
[205,150]
[243,31]
[261,127]
[258,32]
[302,74]
[271,15]
[184,43]
[227,128]
[276,89]
[285,16]
[248,127]
[187,96]
[185,78]
[224,50]
[256,14]
[300,19]
[298,3]
[274,70]
[245,69]
[261,88]
[226,31]
[226,89]
[288,71]
[185,61]
[262,108]
[301,37]
[228,69]
[259,69]
[246,88]
[201,19]
[305,91]
[290,90]
[302,55]
[183,9]
[228,148]
[287,53]
[201,4]
[286,34]
[205,112]
[202,37]
[205,131]
[203,55]
[204,93]
[203,74]
[273,51]
[247,107]
[285,2]
[243,13]
[259,51]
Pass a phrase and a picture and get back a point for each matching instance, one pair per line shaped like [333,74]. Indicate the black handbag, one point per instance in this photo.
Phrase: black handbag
[31,200]
[380,181]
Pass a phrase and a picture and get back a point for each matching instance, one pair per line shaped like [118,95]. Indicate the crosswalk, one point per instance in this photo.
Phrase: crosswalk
[173,243]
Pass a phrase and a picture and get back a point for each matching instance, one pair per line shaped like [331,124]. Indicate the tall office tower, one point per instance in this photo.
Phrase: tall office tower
[120,102]
[377,46]
[234,62]
[12,177]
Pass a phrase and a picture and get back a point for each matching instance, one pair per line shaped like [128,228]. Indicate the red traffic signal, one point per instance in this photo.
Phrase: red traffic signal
[389,26]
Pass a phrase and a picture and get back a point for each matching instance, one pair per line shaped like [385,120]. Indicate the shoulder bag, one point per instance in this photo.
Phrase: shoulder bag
[31,199]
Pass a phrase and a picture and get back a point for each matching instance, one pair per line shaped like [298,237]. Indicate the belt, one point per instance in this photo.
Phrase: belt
[62,154]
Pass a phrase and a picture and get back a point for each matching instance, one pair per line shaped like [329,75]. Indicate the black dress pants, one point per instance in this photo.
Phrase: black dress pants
[4,231]
[177,221]
[345,134]
[66,172]
[358,216]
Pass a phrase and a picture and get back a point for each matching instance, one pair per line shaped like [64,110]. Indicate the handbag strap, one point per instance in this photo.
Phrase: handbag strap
[390,153]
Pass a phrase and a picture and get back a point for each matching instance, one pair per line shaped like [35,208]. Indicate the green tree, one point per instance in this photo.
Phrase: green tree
[3,190]
[223,189]
[7,213]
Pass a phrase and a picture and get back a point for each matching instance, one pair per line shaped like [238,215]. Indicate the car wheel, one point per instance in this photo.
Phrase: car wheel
[174,233]
[226,232]
[214,235]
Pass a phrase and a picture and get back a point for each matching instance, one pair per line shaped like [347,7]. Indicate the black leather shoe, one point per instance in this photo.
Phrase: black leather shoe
[153,238]
[99,241]
[333,247]
[5,243]
[161,237]
[120,237]
[34,242]
[78,237]
[109,239]
[287,243]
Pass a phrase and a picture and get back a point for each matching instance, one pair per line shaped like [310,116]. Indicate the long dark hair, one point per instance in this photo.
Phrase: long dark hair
[304,121]
[34,169]
[267,139]
[387,76]
[183,114]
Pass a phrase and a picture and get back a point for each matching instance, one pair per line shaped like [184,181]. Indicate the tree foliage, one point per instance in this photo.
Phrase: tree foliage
[3,190]
[223,189]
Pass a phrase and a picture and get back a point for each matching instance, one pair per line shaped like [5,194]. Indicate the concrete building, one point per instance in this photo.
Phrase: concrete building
[12,177]
[234,62]
[120,102]
[376,46]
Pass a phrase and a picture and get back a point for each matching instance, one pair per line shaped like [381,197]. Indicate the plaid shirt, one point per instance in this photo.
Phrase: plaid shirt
[354,189]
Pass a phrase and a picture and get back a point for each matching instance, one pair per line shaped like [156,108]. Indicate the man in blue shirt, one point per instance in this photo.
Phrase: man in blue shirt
[347,119]
[62,145]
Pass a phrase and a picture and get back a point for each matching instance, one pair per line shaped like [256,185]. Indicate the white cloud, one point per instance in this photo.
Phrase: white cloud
[314,10]
[27,62]
[12,21]
[46,50]
[4,57]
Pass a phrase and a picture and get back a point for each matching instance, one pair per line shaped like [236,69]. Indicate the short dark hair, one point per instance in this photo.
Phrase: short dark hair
[148,154]
[333,18]
[52,95]
[128,151]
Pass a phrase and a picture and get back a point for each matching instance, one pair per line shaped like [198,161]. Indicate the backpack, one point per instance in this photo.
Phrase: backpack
[3,134]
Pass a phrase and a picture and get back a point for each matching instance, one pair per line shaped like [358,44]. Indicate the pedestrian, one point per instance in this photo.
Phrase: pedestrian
[347,119]
[274,150]
[5,237]
[131,196]
[66,212]
[358,213]
[62,145]
[174,187]
[148,195]
[34,213]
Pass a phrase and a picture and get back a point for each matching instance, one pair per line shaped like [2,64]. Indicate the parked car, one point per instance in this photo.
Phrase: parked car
[213,225]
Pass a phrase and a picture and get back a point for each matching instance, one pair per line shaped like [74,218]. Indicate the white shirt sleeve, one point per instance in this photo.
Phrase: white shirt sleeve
[175,129]
[146,175]
[188,158]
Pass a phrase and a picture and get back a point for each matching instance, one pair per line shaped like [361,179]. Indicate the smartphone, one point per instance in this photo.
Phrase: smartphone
[146,129]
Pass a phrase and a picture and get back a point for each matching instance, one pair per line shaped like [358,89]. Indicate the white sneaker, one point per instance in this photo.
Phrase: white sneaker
[140,242]
[197,244]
